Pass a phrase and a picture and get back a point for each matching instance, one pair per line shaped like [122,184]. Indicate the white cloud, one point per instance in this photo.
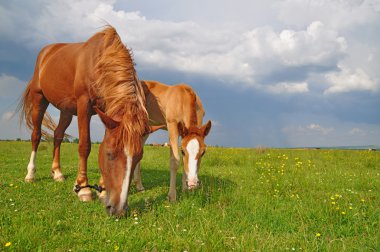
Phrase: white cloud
[288,87]
[348,80]
[335,13]
[357,132]
[10,87]
[311,129]
[318,128]
[7,115]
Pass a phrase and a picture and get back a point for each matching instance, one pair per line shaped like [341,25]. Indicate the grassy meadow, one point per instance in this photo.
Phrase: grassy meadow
[249,200]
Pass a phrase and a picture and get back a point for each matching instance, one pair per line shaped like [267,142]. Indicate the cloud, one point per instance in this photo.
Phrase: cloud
[286,87]
[249,58]
[357,132]
[7,115]
[246,58]
[348,80]
[335,13]
[10,86]
[311,129]
[319,129]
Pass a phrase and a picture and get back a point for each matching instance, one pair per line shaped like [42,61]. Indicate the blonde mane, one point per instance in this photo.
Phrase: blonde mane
[118,87]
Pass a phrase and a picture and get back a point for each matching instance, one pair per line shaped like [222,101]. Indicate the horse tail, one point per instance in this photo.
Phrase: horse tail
[25,108]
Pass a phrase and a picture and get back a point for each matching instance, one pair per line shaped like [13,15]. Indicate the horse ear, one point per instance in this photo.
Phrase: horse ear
[154,128]
[182,130]
[206,128]
[108,121]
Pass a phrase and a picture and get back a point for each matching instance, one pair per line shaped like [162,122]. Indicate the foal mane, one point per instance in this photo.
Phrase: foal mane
[117,85]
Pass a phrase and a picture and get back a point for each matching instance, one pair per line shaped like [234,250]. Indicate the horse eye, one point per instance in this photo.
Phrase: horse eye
[183,152]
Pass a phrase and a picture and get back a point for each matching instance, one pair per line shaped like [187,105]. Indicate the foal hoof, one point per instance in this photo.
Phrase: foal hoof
[140,189]
[172,198]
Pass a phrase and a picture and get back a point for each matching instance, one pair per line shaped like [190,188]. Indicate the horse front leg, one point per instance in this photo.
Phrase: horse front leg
[174,160]
[84,148]
[59,133]
[39,106]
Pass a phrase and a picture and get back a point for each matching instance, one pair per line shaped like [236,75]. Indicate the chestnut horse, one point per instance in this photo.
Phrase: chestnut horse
[180,109]
[74,77]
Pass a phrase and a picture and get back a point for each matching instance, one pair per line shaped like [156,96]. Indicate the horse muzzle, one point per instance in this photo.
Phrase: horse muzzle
[192,183]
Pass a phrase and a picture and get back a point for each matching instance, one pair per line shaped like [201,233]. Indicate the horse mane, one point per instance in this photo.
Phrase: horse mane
[117,85]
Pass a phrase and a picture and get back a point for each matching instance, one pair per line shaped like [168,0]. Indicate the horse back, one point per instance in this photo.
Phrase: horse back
[177,103]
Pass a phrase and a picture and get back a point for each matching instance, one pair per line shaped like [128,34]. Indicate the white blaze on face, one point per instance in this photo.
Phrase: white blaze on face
[193,149]
[125,186]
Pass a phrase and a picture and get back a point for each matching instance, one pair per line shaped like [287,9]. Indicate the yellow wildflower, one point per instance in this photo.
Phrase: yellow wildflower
[333,202]
[317,235]
[8,244]
[343,213]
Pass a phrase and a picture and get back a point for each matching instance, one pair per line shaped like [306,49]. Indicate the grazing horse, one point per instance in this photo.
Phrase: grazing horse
[74,77]
[180,109]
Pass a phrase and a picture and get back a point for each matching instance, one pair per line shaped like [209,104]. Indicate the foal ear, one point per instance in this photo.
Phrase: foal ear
[182,130]
[154,128]
[206,128]
[108,121]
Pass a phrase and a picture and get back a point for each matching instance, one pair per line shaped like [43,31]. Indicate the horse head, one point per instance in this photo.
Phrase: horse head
[193,148]
[117,164]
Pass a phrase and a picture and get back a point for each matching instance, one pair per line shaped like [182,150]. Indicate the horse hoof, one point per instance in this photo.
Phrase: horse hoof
[57,176]
[85,195]
[60,178]
[85,198]
[29,180]
[102,196]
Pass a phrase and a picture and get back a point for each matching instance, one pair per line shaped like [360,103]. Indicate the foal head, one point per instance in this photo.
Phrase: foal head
[193,148]
[117,164]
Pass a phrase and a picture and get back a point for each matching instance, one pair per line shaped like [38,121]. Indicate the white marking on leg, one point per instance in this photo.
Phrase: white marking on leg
[126,181]
[31,166]
[193,149]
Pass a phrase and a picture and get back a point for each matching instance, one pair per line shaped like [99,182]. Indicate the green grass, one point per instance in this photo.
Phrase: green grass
[265,200]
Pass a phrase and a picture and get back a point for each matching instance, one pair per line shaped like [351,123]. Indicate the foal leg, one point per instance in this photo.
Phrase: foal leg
[137,172]
[59,133]
[39,106]
[174,160]
[84,148]
[137,178]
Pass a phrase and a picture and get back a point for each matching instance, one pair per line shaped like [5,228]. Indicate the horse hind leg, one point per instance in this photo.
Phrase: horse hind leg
[59,133]
[39,106]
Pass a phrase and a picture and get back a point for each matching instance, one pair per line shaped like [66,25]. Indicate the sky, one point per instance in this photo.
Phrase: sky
[289,73]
